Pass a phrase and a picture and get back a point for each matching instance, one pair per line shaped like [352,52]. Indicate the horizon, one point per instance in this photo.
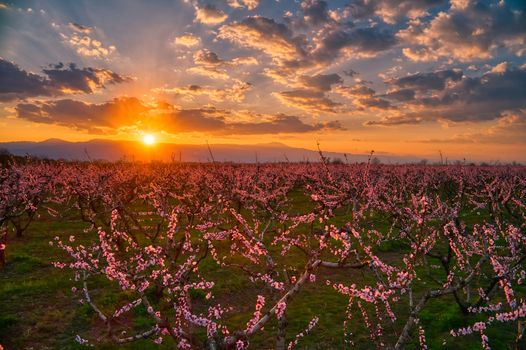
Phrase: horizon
[413,80]
[271,152]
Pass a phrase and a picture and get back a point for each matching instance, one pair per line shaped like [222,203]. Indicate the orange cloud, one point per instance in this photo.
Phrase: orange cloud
[210,15]
[187,39]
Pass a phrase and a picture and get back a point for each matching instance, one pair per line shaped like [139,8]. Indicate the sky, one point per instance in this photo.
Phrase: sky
[408,77]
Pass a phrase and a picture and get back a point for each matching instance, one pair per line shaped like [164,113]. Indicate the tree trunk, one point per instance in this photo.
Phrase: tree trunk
[3,247]
[18,227]
[520,341]
[2,258]
[282,329]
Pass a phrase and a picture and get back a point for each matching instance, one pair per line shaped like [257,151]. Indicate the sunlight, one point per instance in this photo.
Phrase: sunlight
[148,139]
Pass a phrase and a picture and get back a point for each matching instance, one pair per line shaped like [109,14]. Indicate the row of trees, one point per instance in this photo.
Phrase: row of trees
[160,233]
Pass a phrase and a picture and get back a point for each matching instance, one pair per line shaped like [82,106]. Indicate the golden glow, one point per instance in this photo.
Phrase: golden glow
[148,139]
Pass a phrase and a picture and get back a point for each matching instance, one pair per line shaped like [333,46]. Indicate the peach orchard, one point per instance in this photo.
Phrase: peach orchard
[400,236]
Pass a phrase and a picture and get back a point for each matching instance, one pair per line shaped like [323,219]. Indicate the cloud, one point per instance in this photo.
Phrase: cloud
[235,93]
[363,97]
[500,68]
[59,79]
[187,39]
[129,112]
[211,59]
[308,100]
[85,40]
[320,82]
[209,72]
[293,53]
[207,58]
[509,129]
[79,38]
[211,121]
[210,65]
[481,98]
[275,39]
[359,42]
[392,11]
[80,28]
[470,30]
[356,91]
[114,114]
[400,95]
[315,12]
[395,121]
[373,102]
[310,93]
[249,4]
[210,15]
[428,81]
[350,73]
[487,97]
[16,83]
[78,80]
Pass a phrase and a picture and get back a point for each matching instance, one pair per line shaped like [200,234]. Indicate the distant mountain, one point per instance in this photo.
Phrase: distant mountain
[130,150]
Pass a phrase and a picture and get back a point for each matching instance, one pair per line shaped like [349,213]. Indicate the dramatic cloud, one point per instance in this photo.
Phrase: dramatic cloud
[472,99]
[470,30]
[481,98]
[86,80]
[114,114]
[279,42]
[275,39]
[293,53]
[16,83]
[130,112]
[210,15]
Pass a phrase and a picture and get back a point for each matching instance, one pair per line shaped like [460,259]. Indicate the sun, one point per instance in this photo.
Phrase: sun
[148,139]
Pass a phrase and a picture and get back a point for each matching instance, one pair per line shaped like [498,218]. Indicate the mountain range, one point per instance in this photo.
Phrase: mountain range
[113,150]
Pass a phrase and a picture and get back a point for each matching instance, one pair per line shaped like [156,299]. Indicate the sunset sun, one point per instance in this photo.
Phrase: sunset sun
[148,139]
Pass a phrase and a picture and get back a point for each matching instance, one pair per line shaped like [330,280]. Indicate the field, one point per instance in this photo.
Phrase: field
[274,256]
